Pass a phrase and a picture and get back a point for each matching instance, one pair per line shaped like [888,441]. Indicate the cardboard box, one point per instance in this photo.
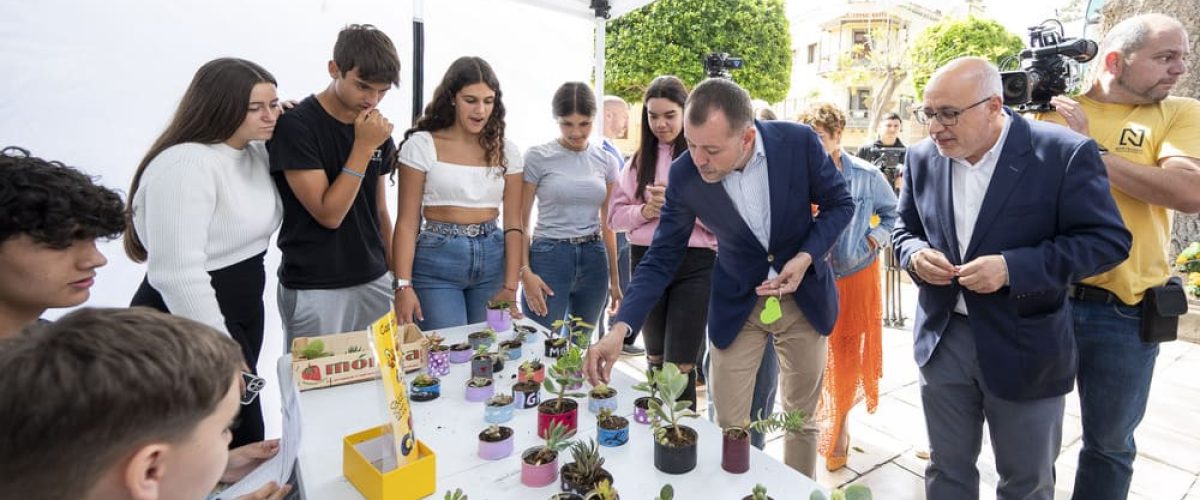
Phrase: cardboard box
[362,458]
[413,348]
[331,360]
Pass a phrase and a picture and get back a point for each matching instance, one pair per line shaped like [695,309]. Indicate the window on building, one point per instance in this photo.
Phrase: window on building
[862,43]
[860,100]
[812,53]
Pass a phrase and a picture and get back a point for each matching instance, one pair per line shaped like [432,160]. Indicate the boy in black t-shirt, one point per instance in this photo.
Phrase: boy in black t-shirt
[328,156]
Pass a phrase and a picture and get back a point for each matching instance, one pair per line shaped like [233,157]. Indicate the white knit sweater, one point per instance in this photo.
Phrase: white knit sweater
[201,208]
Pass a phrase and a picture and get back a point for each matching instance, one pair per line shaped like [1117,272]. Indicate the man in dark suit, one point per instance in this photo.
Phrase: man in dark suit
[754,185]
[998,216]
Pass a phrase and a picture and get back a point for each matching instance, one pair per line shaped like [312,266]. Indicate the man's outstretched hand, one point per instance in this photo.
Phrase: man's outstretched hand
[604,354]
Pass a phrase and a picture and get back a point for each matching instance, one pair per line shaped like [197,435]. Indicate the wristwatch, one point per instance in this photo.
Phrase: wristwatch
[400,284]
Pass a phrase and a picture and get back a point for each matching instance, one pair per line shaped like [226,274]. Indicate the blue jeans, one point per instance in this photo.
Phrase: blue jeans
[455,276]
[623,270]
[766,384]
[1115,369]
[578,275]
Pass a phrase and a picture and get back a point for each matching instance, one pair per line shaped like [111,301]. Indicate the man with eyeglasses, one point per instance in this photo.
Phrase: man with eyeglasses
[1151,149]
[999,215]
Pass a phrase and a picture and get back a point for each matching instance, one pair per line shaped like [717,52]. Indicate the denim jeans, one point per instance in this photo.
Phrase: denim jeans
[766,384]
[578,275]
[1115,369]
[455,276]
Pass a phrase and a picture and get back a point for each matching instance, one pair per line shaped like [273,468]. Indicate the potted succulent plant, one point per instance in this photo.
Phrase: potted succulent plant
[425,387]
[439,355]
[482,363]
[566,495]
[539,464]
[528,390]
[495,442]
[611,430]
[666,493]
[498,409]
[587,469]
[602,396]
[479,389]
[498,316]
[852,492]
[532,369]
[735,441]
[486,336]
[603,491]
[512,347]
[457,494]
[674,443]
[641,406]
[562,409]
[758,493]
[461,353]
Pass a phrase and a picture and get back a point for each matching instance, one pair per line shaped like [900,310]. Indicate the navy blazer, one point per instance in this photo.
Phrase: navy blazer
[1049,212]
[800,175]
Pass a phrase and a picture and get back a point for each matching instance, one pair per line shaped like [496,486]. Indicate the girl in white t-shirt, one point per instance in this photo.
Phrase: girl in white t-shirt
[458,174]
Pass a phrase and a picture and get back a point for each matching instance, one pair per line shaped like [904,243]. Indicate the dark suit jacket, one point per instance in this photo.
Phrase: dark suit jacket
[1049,212]
[801,175]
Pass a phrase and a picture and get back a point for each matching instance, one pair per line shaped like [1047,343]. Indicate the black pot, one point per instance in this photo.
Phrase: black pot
[497,363]
[676,459]
[527,397]
[556,351]
[582,489]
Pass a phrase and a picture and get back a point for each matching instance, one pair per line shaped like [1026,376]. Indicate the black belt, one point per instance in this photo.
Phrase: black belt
[578,240]
[1087,293]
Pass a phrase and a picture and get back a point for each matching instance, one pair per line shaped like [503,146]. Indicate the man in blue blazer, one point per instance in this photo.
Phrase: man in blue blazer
[754,185]
[998,216]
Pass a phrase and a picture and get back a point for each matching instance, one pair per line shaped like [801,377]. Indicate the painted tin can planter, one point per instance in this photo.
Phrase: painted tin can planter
[568,416]
[439,362]
[499,319]
[527,394]
[460,353]
[425,392]
[497,411]
[495,448]
[616,436]
[641,408]
[480,393]
[536,476]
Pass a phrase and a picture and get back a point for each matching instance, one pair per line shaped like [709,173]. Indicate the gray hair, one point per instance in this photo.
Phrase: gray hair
[985,74]
[724,95]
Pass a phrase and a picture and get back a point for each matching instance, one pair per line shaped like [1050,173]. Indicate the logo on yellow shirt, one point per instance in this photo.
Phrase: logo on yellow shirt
[1132,140]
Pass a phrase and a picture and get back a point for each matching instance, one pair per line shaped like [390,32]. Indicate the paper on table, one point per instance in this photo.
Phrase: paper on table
[279,467]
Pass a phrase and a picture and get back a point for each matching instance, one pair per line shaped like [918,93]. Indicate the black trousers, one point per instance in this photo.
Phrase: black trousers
[677,326]
[239,290]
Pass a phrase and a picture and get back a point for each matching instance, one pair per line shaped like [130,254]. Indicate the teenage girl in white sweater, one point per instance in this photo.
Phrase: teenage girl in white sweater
[203,208]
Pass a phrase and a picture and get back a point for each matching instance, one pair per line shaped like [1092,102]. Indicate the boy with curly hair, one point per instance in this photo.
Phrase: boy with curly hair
[50,218]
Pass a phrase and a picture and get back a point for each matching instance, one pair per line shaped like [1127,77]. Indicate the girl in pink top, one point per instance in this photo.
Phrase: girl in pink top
[675,329]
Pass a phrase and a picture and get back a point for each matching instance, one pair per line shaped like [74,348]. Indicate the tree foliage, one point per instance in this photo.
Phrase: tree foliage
[671,37]
[942,42]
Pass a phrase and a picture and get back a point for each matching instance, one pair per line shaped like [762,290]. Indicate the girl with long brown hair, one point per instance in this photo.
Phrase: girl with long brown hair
[202,208]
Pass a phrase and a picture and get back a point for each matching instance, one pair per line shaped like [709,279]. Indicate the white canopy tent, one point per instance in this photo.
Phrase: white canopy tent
[92,84]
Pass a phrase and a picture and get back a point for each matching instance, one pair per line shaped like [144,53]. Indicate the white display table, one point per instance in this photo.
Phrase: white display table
[449,425]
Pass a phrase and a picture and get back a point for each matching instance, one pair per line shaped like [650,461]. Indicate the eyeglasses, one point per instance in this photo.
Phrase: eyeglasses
[948,117]
[253,384]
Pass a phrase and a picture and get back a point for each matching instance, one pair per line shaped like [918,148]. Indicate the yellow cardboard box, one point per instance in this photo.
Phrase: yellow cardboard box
[417,479]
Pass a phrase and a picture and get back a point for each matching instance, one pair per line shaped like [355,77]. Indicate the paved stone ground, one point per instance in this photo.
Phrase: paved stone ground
[884,444]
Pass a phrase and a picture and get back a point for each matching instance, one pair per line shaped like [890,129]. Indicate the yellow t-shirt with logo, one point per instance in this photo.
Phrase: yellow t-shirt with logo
[1145,135]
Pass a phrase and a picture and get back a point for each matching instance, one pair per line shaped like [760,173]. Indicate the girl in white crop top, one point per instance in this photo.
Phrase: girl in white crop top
[458,174]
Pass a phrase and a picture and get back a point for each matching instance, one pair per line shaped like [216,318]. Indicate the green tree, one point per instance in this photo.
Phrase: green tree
[952,38]
[671,37]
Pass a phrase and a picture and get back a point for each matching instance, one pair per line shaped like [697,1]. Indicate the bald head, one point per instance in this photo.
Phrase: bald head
[1141,60]
[1130,35]
[616,116]
[972,74]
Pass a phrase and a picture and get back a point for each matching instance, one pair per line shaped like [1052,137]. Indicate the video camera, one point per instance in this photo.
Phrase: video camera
[718,64]
[888,159]
[1046,71]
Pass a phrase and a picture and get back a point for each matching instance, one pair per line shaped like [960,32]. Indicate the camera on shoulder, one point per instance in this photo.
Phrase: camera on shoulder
[1046,68]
